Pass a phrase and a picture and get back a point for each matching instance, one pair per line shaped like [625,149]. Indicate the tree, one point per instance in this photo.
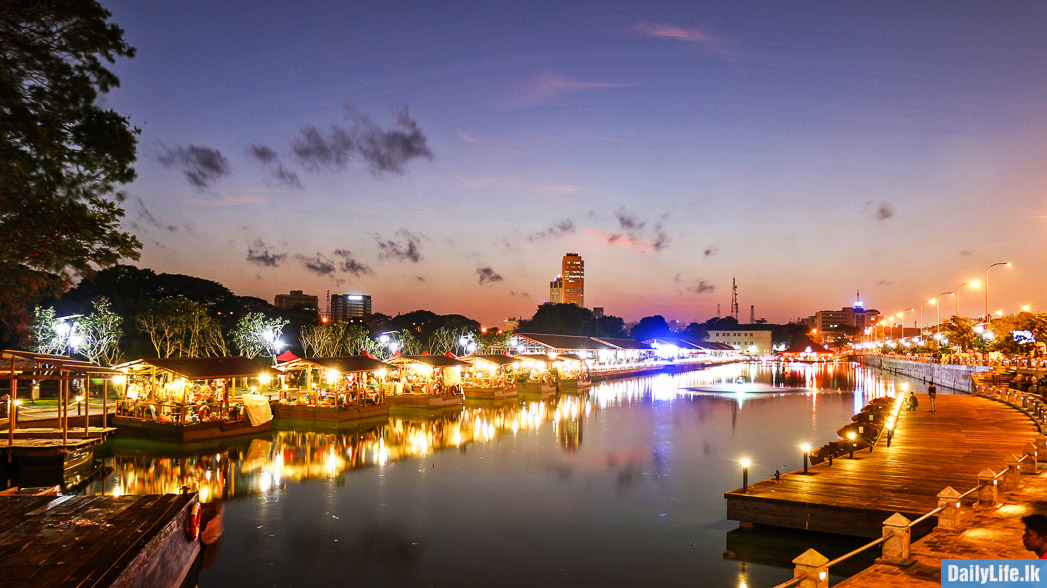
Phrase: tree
[606,326]
[179,327]
[44,337]
[100,334]
[255,334]
[558,319]
[62,155]
[960,331]
[651,327]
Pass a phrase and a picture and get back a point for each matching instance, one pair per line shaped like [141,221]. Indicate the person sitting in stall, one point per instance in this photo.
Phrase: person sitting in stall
[204,414]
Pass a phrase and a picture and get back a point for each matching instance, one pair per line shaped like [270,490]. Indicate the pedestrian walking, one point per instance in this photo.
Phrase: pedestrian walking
[932,392]
[913,403]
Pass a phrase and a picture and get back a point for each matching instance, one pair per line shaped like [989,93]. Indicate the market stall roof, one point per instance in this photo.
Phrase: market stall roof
[681,343]
[808,346]
[570,356]
[630,344]
[714,346]
[533,357]
[286,356]
[498,359]
[200,368]
[436,361]
[29,361]
[566,342]
[342,363]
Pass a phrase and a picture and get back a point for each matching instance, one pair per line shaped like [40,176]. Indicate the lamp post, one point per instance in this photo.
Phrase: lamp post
[988,317]
[850,437]
[973,284]
[806,455]
[921,313]
[901,317]
[745,476]
[938,303]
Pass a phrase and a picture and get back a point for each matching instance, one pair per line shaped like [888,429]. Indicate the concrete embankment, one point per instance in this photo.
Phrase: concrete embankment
[954,377]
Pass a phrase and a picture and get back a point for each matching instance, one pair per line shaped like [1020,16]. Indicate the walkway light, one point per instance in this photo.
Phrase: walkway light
[745,476]
[806,454]
[851,437]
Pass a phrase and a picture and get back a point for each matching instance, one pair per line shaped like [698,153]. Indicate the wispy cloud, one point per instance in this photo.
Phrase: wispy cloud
[549,85]
[147,217]
[281,175]
[228,198]
[319,264]
[350,264]
[694,36]
[467,137]
[564,227]
[385,150]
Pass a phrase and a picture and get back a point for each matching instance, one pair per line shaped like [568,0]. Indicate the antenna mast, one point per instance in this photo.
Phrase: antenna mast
[734,298]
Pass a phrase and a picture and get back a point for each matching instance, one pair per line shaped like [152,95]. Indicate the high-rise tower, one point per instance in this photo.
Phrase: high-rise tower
[573,279]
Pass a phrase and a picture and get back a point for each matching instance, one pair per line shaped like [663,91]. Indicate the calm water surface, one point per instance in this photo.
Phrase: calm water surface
[620,485]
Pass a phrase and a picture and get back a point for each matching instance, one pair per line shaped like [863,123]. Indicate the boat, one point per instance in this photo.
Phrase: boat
[489,377]
[425,381]
[338,389]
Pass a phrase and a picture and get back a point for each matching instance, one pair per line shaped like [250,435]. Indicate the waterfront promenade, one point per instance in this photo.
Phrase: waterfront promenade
[930,450]
[989,533]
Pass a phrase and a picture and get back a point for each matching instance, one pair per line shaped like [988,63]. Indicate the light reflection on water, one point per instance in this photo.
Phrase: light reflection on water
[623,483]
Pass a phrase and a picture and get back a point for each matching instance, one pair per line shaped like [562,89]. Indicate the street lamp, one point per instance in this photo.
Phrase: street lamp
[938,303]
[988,318]
[973,284]
[921,312]
[901,317]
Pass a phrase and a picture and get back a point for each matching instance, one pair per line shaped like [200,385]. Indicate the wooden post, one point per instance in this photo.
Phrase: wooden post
[1032,460]
[87,405]
[12,409]
[949,518]
[63,402]
[1041,444]
[1012,478]
[181,414]
[987,490]
[105,407]
[810,565]
[897,548]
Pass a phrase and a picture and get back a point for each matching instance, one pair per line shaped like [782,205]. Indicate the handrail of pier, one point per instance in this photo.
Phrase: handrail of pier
[792,582]
[873,543]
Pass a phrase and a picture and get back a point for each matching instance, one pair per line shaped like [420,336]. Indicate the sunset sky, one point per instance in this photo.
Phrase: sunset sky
[444,156]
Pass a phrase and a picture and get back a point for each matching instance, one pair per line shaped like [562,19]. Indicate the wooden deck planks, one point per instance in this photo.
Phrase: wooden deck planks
[42,543]
[929,452]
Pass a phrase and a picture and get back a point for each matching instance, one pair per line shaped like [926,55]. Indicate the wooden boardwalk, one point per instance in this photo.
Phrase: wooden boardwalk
[95,540]
[930,450]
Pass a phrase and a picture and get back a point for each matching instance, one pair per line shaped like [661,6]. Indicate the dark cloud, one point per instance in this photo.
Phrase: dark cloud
[389,150]
[320,264]
[678,278]
[350,264]
[564,227]
[711,250]
[703,287]
[661,239]
[520,294]
[488,275]
[628,221]
[420,278]
[638,230]
[613,237]
[884,211]
[202,166]
[405,248]
[263,153]
[258,253]
[286,177]
[967,252]
[381,150]
[315,151]
[884,282]
[145,215]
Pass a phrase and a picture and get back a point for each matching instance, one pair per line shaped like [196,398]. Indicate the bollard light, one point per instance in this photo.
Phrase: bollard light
[806,454]
[851,436]
[745,476]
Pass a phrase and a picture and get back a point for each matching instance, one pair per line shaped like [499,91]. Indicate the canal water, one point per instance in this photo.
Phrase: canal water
[620,485]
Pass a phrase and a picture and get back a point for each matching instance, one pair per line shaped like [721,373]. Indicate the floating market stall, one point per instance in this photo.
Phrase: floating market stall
[189,399]
[332,388]
[489,377]
[536,375]
[57,450]
[425,381]
[808,352]
[572,372]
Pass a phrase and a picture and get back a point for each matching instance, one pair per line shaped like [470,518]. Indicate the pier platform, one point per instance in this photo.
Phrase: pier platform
[96,540]
[930,450]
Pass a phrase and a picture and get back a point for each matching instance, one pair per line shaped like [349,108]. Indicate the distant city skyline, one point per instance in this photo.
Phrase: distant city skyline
[438,156]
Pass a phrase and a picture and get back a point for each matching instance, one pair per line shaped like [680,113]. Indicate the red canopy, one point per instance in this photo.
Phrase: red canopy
[451,355]
[368,354]
[286,356]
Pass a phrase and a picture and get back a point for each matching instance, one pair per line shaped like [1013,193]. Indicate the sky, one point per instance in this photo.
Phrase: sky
[445,156]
